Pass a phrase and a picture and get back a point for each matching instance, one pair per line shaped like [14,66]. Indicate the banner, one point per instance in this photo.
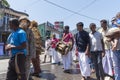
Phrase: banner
[58,24]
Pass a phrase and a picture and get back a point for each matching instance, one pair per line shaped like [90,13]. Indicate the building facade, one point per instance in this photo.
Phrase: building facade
[5,14]
[47,29]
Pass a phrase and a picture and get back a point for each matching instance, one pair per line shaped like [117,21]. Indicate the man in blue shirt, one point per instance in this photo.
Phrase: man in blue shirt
[16,44]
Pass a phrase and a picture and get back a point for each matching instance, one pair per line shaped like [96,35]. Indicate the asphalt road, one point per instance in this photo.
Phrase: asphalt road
[49,71]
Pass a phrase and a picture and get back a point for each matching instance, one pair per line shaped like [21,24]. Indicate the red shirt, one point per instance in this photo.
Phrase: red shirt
[67,36]
[54,42]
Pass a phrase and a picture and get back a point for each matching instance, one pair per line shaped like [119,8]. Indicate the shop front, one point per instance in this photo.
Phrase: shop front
[3,41]
[1,48]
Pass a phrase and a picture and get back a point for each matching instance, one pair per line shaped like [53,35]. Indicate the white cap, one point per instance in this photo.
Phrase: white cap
[24,18]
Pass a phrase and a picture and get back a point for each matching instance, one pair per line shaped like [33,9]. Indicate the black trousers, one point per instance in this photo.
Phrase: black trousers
[11,73]
[96,57]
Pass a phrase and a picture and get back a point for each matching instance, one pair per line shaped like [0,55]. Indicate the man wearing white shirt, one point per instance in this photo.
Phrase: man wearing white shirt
[97,51]
[47,49]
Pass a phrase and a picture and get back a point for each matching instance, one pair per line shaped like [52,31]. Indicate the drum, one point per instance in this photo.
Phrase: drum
[112,32]
[63,48]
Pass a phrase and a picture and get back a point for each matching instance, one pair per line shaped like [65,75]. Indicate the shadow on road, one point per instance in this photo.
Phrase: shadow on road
[45,76]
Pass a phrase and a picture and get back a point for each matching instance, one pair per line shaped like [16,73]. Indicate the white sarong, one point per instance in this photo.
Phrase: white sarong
[84,64]
[55,58]
[107,62]
[67,60]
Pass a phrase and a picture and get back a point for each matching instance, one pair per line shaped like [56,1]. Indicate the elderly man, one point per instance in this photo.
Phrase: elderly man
[31,49]
[97,51]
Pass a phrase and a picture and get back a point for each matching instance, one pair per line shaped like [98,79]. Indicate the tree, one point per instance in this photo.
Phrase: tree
[4,3]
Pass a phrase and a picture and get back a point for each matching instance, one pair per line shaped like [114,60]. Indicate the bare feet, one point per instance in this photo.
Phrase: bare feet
[83,78]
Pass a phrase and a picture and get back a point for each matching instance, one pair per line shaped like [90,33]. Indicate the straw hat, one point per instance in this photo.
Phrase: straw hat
[24,18]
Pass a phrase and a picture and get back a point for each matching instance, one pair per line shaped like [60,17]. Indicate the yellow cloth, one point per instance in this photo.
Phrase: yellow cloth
[106,43]
[37,37]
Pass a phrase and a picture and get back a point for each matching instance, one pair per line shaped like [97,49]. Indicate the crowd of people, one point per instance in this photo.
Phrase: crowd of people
[24,44]
[97,51]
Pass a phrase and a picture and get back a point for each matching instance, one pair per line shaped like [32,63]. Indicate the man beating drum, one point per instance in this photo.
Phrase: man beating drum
[67,58]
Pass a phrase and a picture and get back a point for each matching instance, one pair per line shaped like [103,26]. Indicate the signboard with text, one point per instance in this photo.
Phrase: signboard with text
[58,24]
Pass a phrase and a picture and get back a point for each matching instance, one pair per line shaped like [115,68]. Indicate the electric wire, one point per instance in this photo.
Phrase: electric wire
[70,10]
[83,8]
[31,4]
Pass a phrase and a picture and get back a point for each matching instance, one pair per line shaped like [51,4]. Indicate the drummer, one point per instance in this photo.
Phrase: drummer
[54,53]
[67,58]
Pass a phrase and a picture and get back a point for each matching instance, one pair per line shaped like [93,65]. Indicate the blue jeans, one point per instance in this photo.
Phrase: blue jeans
[116,64]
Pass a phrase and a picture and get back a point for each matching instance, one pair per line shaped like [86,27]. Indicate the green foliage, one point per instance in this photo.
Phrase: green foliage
[5,3]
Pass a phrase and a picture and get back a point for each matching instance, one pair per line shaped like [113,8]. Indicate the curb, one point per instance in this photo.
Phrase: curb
[4,57]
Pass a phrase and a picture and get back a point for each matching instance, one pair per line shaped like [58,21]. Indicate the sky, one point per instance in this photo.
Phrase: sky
[69,11]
